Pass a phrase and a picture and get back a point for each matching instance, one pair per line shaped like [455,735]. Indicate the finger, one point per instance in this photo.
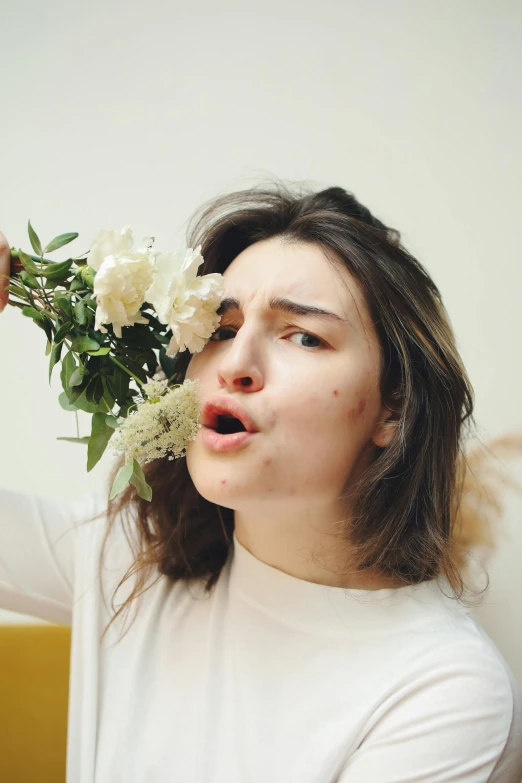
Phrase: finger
[5,266]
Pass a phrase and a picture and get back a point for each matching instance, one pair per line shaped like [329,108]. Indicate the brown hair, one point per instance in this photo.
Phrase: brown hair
[405,509]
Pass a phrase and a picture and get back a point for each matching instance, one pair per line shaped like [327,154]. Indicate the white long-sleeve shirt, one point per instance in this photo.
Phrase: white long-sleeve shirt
[269,679]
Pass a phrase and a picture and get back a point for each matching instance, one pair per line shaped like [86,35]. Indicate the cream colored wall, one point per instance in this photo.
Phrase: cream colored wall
[137,112]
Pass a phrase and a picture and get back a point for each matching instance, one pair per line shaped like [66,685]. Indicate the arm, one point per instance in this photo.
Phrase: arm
[37,554]
[458,720]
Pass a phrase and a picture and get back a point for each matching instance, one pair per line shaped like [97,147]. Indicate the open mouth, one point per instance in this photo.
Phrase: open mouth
[226,425]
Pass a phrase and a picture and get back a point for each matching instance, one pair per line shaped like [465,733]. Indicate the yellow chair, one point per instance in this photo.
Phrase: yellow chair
[34,685]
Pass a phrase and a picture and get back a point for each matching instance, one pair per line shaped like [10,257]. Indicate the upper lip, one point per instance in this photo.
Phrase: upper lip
[216,406]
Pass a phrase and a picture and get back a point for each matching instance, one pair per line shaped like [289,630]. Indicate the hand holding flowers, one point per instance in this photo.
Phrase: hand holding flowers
[113,318]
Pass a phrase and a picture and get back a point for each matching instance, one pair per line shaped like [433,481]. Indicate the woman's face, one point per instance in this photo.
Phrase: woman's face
[309,382]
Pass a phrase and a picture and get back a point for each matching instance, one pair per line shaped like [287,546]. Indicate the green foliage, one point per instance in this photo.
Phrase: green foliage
[63,399]
[57,272]
[100,374]
[121,479]
[29,280]
[56,351]
[35,241]
[68,367]
[132,473]
[138,479]
[63,331]
[28,263]
[101,433]
[83,344]
[59,241]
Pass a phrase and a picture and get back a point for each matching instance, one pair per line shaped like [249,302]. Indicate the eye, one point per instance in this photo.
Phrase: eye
[214,336]
[310,338]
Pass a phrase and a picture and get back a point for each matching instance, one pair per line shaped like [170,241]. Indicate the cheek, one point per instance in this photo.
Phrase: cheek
[356,412]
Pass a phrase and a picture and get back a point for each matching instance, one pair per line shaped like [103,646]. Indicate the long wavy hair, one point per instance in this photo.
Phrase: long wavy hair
[406,509]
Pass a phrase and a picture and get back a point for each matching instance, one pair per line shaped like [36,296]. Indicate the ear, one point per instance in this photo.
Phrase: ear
[386,427]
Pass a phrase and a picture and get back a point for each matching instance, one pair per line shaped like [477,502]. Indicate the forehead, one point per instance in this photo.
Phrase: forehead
[299,271]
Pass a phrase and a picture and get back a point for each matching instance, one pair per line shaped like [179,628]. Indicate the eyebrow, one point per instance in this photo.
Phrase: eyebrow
[285,306]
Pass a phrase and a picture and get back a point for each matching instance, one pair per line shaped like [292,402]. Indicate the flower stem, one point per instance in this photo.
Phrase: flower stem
[126,369]
[38,259]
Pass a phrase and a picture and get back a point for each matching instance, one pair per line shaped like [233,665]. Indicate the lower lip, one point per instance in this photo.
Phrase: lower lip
[231,442]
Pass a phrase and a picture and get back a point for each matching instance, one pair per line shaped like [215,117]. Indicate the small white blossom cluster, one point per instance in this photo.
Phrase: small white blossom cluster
[162,425]
[155,387]
[126,278]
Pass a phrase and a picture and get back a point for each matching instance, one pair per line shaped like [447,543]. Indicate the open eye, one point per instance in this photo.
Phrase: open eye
[214,336]
[310,337]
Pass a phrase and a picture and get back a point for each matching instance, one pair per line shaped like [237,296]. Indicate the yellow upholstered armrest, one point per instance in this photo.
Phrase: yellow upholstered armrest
[34,685]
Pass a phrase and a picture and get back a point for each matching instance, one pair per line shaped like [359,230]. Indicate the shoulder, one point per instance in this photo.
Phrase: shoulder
[454,712]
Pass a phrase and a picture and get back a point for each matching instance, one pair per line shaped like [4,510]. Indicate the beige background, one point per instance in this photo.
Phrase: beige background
[137,112]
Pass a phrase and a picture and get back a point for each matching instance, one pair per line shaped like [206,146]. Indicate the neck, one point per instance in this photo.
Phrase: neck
[305,543]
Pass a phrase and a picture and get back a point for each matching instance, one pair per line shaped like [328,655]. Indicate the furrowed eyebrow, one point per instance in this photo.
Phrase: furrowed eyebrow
[285,306]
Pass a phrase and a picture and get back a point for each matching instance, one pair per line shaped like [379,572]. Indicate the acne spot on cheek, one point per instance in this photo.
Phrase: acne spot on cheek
[223,481]
[266,462]
[357,412]
[335,393]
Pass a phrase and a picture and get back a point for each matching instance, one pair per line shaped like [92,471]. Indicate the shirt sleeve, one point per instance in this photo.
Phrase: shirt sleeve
[452,721]
[38,552]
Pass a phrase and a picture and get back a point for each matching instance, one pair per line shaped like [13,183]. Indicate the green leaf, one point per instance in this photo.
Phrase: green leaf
[111,421]
[56,351]
[83,344]
[68,367]
[83,404]
[118,385]
[139,481]
[59,241]
[121,479]
[29,280]
[28,263]
[76,285]
[32,312]
[80,312]
[57,271]
[90,301]
[100,436]
[103,351]
[139,337]
[76,378]
[62,302]
[108,397]
[76,440]
[90,390]
[167,363]
[35,241]
[63,331]
[47,327]
[64,402]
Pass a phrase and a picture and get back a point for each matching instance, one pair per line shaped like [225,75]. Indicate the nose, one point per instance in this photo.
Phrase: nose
[240,364]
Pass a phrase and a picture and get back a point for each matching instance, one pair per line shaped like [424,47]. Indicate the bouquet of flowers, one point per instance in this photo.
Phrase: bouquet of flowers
[114,317]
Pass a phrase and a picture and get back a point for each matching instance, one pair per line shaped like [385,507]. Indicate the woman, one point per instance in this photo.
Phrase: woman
[300,606]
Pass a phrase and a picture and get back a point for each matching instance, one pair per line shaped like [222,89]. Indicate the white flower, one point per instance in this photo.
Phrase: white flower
[155,387]
[162,426]
[184,301]
[123,275]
